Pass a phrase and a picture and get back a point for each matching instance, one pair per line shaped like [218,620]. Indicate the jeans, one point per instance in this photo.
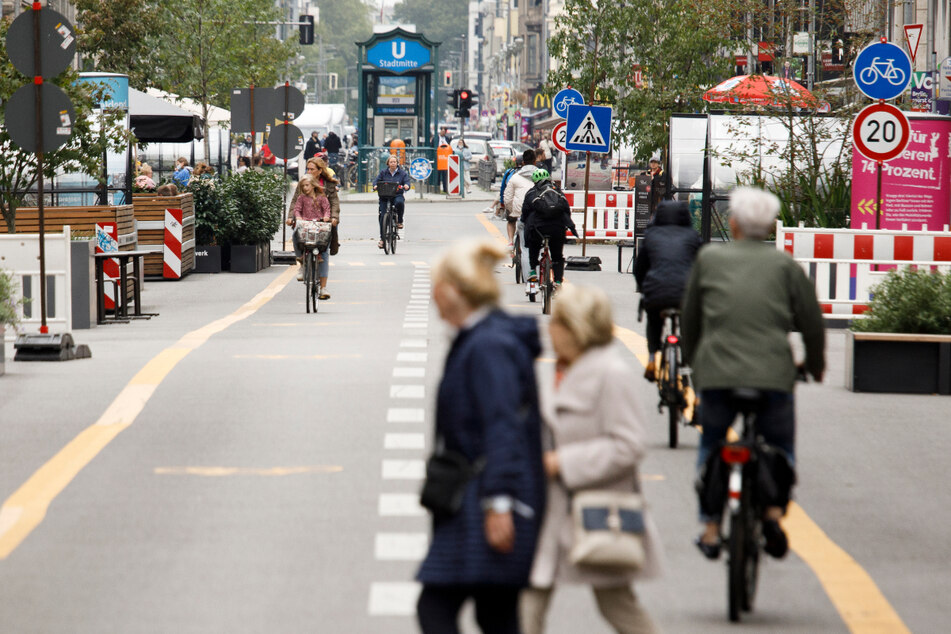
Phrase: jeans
[775,422]
[399,203]
[332,159]
[556,246]
[655,328]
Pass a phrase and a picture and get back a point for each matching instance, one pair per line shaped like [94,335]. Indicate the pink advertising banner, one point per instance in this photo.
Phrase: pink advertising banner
[916,186]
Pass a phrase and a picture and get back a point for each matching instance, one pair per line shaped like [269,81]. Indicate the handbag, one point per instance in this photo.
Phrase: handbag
[608,529]
[448,474]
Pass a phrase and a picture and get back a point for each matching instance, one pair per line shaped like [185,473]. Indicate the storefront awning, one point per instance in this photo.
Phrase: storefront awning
[156,121]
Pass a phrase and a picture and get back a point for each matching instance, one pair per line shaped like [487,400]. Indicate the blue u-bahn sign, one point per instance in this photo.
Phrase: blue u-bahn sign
[398,55]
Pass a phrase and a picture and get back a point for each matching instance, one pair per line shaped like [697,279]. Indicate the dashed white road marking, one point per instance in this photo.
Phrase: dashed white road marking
[400,505]
[404,441]
[407,391]
[401,546]
[404,469]
[405,415]
[394,598]
[413,343]
[409,357]
[416,373]
[387,263]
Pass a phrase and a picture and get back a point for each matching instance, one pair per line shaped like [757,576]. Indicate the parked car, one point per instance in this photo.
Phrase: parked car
[481,151]
[503,152]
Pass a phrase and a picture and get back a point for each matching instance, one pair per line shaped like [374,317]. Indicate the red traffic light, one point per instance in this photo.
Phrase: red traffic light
[463,94]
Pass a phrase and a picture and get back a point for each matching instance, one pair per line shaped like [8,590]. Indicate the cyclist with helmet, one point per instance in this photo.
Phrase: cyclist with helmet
[546,214]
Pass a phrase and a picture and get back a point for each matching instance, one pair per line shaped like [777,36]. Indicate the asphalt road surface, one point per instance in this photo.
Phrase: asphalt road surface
[237,465]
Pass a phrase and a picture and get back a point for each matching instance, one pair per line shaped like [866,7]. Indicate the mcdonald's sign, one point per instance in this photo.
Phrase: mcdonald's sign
[541,101]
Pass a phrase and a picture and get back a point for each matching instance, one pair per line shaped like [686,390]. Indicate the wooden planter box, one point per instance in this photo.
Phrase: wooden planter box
[150,222]
[899,363]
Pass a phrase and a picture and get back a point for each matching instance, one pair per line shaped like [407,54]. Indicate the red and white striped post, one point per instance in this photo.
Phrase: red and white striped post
[172,260]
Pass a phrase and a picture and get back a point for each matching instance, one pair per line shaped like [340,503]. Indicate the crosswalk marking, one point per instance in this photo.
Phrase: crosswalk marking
[406,357]
[401,546]
[405,415]
[400,505]
[394,598]
[416,373]
[407,391]
[404,441]
[413,343]
[404,469]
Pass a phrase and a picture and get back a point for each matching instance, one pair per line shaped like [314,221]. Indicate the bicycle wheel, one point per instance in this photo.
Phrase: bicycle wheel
[548,289]
[393,233]
[868,75]
[671,394]
[736,566]
[753,534]
[309,281]
[517,261]
[386,231]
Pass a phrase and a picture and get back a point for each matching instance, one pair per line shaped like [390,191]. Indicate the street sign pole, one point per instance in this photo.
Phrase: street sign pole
[38,87]
[878,196]
[287,107]
[584,222]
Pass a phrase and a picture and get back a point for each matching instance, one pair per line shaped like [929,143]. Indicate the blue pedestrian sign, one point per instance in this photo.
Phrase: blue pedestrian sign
[565,98]
[420,168]
[882,70]
[588,129]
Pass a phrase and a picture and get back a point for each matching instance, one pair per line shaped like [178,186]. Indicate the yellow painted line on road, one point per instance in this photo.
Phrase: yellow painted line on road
[357,263]
[217,472]
[493,230]
[852,591]
[308,324]
[383,264]
[26,508]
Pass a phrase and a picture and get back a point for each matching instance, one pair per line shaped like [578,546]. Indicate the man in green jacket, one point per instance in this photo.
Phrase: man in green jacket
[741,302]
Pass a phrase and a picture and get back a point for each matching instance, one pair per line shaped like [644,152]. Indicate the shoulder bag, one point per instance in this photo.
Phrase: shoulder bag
[448,474]
[608,529]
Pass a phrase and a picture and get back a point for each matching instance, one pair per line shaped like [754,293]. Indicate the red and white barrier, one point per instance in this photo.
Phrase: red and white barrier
[845,264]
[172,267]
[452,164]
[606,223]
[107,241]
[611,200]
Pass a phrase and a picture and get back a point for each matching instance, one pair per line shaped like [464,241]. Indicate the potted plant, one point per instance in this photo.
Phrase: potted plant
[214,216]
[903,343]
[8,310]
[257,198]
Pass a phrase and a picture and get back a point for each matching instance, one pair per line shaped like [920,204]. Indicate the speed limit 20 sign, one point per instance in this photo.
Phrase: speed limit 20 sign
[881,132]
[559,136]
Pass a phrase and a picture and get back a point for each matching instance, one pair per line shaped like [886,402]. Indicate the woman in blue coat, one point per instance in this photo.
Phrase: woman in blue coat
[487,408]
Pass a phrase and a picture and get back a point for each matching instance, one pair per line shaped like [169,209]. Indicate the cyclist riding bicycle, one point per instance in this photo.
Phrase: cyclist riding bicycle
[392,173]
[662,267]
[546,214]
[312,204]
[742,300]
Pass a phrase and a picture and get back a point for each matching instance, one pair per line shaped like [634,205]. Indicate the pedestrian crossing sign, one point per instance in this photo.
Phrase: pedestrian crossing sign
[588,128]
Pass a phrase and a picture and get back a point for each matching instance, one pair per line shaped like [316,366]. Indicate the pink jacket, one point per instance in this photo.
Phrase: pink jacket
[306,208]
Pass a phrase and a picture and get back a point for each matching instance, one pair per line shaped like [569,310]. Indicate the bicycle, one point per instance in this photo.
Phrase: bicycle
[562,108]
[871,73]
[673,379]
[309,235]
[390,233]
[517,260]
[545,277]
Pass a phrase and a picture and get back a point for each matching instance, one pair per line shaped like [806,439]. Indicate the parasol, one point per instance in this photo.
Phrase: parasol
[762,90]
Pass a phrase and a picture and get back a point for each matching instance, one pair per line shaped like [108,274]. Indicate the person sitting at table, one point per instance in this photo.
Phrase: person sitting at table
[144,179]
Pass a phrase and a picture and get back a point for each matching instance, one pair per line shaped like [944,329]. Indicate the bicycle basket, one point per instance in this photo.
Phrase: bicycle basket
[312,233]
[388,189]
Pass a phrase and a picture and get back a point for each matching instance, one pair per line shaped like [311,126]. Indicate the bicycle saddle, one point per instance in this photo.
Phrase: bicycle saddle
[747,399]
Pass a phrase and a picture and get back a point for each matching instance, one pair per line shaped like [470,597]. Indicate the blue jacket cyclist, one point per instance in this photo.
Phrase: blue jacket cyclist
[393,173]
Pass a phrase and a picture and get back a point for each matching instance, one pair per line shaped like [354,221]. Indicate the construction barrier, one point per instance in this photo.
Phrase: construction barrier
[107,241]
[172,256]
[152,223]
[452,162]
[20,257]
[844,264]
[612,200]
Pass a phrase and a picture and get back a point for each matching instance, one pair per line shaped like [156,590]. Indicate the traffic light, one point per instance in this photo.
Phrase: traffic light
[332,83]
[467,100]
[447,79]
[306,26]
[452,99]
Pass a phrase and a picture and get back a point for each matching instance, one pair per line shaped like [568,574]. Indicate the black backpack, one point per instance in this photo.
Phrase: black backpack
[550,204]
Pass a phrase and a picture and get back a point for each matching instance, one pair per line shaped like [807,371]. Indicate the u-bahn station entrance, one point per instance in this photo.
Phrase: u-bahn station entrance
[397,109]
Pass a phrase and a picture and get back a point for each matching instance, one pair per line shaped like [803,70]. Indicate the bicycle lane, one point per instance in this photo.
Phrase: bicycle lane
[853,593]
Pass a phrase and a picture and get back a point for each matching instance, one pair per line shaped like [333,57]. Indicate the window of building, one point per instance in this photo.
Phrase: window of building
[532,53]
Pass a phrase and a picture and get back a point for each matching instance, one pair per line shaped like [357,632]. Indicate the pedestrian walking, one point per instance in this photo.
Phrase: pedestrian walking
[486,412]
[596,426]
[312,146]
[332,146]
[465,161]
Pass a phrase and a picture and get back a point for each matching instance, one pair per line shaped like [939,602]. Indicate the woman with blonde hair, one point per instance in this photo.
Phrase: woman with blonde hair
[487,415]
[596,426]
[312,205]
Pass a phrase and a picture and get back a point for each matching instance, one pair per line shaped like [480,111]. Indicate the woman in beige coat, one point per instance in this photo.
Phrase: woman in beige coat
[596,423]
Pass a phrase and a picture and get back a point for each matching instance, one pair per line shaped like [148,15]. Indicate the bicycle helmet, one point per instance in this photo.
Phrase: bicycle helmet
[540,175]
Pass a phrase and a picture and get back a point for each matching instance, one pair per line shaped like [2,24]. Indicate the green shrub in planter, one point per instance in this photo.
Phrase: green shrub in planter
[257,198]
[911,302]
[215,211]
[8,306]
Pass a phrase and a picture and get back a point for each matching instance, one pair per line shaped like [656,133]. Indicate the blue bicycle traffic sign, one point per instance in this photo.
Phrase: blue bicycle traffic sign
[420,168]
[882,70]
[588,128]
[565,97]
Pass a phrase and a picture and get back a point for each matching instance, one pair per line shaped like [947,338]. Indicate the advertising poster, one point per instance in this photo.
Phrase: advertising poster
[922,86]
[915,186]
[396,95]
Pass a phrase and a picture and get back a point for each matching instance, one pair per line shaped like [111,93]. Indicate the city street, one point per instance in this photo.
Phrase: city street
[237,465]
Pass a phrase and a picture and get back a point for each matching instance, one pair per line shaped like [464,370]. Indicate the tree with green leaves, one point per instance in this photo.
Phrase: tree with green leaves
[676,45]
[342,23]
[121,37]
[82,154]
[217,48]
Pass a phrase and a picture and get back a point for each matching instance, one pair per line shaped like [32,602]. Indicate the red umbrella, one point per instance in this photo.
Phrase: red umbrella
[762,90]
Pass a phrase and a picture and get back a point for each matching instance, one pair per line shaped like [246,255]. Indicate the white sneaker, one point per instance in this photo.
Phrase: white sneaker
[300,276]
